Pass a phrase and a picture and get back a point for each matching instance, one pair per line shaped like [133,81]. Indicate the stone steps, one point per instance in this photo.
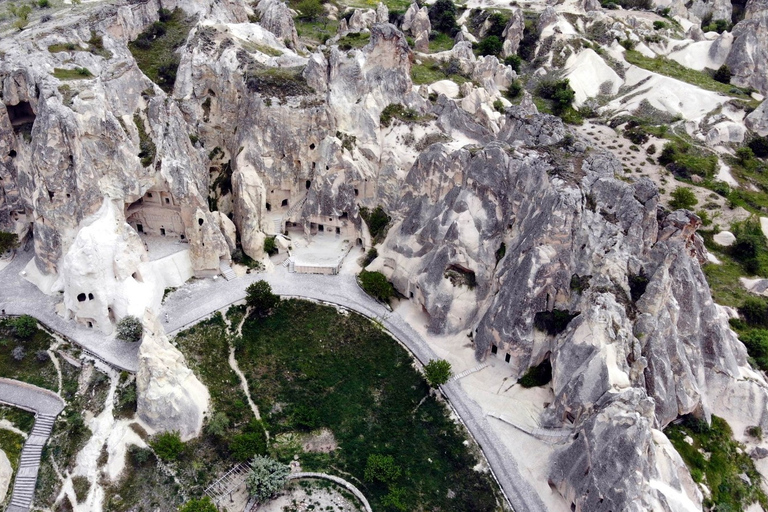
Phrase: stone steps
[468,372]
[227,272]
[29,464]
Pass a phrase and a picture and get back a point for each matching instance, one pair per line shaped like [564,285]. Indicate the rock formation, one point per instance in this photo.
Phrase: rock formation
[749,52]
[170,397]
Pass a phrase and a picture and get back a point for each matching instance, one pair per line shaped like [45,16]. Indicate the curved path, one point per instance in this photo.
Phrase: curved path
[348,486]
[46,405]
[200,299]
[20,297]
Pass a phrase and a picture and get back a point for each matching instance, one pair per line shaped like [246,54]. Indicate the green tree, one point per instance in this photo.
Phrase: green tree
[683,198]
[745,155]
[202,505]
[269,245]
[8,241]
[129,329]
[491,45]
[260,298]
[25,326]
[310,10]
[442,17]
[168,445]
[437,372]
[376,285]
[382,468]
[267,477]
[249,443]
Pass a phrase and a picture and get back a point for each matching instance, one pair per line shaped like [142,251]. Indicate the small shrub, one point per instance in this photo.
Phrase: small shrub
[250,443]
[553,322]
[376,285]
[81,486]
[659,25]
[309,10]
[498,105]
[371,255]
[490,45]
[8,241]
[382,468]
[18,353]
[514,90]
[442,17]
[759,146]
[437,372]
[513,61]
[129,329]
[218,425]
[376,220]
[202,505]
[559,91]
[580,283]
[537,376]
[651,150]
[683,198]
[168,446]
[266,478]
[755,431]
[269,246]
[723,74]
[397,111]
[24,326]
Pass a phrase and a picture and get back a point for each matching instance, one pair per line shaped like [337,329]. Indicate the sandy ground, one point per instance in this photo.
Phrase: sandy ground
[321,249]
[606,138]
[496,393]
[306,495]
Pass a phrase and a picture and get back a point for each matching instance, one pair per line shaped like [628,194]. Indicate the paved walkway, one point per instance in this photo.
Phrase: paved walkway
[20,297]
[348,486]
[200,298]
[46,405]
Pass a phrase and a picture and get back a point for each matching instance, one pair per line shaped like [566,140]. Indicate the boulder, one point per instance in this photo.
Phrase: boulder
[6,472]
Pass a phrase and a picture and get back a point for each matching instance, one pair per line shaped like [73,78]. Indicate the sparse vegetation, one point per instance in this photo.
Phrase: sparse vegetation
[147,148]
[537,376]
[277,82]
[683,198]
[167,446]
[155,48]
[71,74]
[8,241]
[715,459]
[269,246]
[398,111]
[22,333]
[129,329]
[553,322]
[377,221]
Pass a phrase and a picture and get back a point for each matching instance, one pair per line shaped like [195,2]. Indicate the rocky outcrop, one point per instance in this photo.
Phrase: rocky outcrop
[170,397]
[276,17]
[513,33]
[6,472]
[757,120]
[749,52]
[715,9]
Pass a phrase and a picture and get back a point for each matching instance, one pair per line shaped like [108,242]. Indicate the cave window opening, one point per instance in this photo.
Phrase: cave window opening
[137,277]
[284,203]
[20,114]
[312,146]
[330,219]
[80,297]
[494,349]
[269,207]
[357,192]
[320,227]
[344,215]
[338,230]
[314,164]
[200,222]
[182,237]
[507,358]
[309,184]
[327,168]
[411,294]
[90,296]
[162,231]
[167,201]
[149,194]
[50,195]
[140,228]
[90,325]
[12,153]
[359,241]
[69,195]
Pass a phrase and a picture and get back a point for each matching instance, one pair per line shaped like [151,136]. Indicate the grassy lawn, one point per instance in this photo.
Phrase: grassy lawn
[155,48]
[35,367]
[11,443]
[340,372]
[672,69]
[719,466]
[317,32]
[441,43]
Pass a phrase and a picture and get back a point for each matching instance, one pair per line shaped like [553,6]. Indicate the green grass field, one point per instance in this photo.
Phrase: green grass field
[34,367]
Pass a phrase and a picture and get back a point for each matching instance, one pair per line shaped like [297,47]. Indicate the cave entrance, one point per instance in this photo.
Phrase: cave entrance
[20,114]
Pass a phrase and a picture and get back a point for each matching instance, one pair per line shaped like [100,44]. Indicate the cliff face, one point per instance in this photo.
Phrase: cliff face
[505,225]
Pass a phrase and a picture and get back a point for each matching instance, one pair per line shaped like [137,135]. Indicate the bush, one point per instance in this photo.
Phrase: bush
[553,322]
[759,146]
[25,326]
[514,90]
[559,91]
[250,443]
[514,61]
[376,285]
[309,10]
[269,246]
[398,111]
[637,285]
[381,468]
[683,198]
[376,220]
[755,313]
[129,329]
[658,25]
[437,372]
[202,505]
[745,155]
[491,45]
[723,74]
[371,255]
[537,375]
[218,425]
[18,353]
[267,477]
[260,299]
[681,159]
[8,241]
[168,446]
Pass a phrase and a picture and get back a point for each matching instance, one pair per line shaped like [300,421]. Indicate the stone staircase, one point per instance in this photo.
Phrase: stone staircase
[468,372]
[26,476]
[227,272]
